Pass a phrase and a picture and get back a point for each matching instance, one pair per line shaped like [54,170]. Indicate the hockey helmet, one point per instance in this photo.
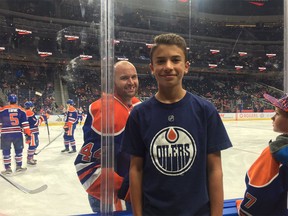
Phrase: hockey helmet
[70,101]
[12,98]
[28,104]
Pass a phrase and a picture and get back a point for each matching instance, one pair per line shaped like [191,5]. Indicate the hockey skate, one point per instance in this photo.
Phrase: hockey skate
[72,151]
[8,171]
[20,169]
[31,161]
[65,150]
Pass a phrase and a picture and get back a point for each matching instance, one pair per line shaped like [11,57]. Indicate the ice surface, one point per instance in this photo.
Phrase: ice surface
[66,196]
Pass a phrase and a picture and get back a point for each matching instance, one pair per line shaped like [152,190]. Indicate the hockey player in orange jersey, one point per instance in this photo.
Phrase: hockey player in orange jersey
[13,123]
[71,122]
[34,124]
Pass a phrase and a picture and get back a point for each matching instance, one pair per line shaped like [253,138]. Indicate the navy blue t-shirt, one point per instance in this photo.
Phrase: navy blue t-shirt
[174,141]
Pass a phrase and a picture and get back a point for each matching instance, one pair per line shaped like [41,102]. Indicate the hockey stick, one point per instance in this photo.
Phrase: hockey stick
[36,153]
[23,189]
[46,122]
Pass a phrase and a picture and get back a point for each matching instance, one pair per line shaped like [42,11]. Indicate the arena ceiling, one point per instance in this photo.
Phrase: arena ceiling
[242,7]
[220,7]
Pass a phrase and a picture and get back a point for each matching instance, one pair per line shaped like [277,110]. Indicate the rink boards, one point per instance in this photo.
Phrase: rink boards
[229,209]
[59,119]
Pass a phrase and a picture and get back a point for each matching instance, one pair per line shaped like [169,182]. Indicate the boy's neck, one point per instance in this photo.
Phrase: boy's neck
[170,96]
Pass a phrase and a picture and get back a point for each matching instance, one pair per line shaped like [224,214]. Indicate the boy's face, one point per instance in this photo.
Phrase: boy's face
[280,121]
[168,65]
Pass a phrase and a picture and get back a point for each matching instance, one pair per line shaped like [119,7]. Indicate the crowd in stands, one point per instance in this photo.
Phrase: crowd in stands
[214,50]
[229,94]
[224,92]
[34,84]
[217,56]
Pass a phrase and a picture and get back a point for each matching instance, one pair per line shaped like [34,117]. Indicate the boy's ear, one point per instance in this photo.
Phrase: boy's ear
[151,68]
[187,65]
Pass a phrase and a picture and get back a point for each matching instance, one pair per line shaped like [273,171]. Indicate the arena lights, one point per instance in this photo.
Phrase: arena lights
[2,49]
[44,54]
[122,59]
[270,55]
[242,53]
[23,31]
[213,65]
[257,3]
[149,45]
[261,69]
[71,37]
[116,41]
[85,57]
[214,51]
[38,93]
[238,67]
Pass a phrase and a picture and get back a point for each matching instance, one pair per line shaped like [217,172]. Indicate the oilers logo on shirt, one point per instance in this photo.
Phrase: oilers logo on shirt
[173,151]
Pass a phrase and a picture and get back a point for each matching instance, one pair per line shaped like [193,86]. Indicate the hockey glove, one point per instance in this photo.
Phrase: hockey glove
[66,129]
[44,117]
[27,139]
[41,119]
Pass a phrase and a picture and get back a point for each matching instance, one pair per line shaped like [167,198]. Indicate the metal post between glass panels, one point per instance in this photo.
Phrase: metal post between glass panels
[107,123]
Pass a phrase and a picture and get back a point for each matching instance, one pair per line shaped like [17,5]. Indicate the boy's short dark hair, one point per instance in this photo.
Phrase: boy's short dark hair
[169,39]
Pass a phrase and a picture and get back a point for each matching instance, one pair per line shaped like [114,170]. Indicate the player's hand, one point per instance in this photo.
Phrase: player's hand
[66,128]
[45,117]
[27,139]
[41,119]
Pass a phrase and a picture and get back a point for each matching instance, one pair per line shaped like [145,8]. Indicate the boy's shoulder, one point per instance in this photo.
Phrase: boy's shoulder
[198,99]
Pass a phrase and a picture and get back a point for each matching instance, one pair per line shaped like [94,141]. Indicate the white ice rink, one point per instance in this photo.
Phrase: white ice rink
[65,195]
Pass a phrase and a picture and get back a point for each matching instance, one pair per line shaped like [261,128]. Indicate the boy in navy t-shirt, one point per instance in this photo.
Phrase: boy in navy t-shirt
[174,139]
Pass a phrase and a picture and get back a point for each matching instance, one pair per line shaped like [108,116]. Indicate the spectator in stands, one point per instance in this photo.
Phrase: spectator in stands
[88,161]
[239,105]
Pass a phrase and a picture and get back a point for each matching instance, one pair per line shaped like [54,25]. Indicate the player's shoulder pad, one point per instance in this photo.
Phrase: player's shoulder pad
[72,109]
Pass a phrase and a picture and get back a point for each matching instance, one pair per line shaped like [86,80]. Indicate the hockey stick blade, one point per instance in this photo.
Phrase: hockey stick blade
[23,189]
[36,153]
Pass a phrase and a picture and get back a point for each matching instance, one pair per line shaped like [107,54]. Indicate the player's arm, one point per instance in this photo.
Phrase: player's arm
[215,183]
[24,123]
[136,175]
